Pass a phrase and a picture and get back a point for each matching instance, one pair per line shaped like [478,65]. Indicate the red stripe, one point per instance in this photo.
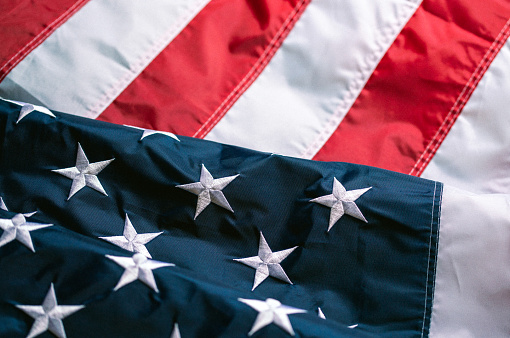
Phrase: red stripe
[206,67]
[24,25]
[413,89]
[464,96]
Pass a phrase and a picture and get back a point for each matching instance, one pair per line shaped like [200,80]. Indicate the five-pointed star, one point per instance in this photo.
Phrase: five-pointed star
[27,108]
[267,263]
[131,240]
[271,311]
[137,267]
[84,173]
[17,228]
[341,202]
[149,132]
[49,315]
[208,190]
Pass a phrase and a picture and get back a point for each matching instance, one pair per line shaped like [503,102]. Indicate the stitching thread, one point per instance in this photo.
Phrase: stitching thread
[254,72]
[428,259]
[461,101]
[434,273]
[39,38]
[143,61]
[388,35]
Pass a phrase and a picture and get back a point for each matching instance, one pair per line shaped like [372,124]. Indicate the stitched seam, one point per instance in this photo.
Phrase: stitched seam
[388,35]
[461,101]
[254,72]
[428,260]
[437,142]
[143,61]
[434,273]
[43,32]
[39,38]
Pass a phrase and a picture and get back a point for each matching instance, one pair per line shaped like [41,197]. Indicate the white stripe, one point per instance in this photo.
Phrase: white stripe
[475,155]
[472,289]
[303,94]
[106,44]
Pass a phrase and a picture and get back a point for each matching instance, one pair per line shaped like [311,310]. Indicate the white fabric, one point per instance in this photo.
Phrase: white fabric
[475,155]
[303,94]
[472,288]
[107,44]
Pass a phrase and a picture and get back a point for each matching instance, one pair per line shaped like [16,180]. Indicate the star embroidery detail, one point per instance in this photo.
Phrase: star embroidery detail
[49,315]
[267,263]
[175,332]
[131,240]
[208,190]
[271,311]
[138,267]
[2,205]
[84,173]
[320,313]
[341,202]
[17,228]
[149,132]
[27,108]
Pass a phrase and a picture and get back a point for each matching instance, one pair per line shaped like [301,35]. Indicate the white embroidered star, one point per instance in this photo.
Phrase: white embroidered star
[84,173]
[208,190]
[2,204]
[271,311]
[175,332]
[131,240]
[27,108]
[49,315]
[341,202]
[320,313]
[137,267]
[267,263]
[17,228]
[149,132]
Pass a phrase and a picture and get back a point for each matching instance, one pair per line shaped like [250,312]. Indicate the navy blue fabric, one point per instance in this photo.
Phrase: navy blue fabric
[378,274]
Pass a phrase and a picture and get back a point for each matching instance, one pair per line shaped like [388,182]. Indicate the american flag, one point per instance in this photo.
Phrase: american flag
[416,87]
[135,232]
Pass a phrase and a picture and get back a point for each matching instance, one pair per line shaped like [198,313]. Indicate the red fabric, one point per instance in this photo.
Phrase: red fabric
[25,24]
[194,81]
[414,87]
[462,99]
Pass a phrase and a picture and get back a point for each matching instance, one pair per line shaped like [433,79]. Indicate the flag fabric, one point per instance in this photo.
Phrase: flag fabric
[408,82]
[114,231]
[226,229]
[207,239]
